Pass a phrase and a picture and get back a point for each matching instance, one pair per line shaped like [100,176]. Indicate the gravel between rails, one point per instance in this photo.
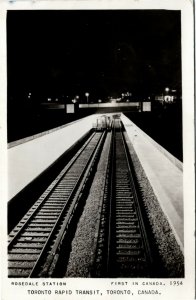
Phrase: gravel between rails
[84,242]
[169,250]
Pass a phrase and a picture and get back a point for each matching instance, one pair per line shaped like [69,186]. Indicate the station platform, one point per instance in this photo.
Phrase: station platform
[28,158]
[165,174]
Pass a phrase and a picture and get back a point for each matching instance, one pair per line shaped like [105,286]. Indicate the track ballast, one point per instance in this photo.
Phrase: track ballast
[122,245]
[34,244]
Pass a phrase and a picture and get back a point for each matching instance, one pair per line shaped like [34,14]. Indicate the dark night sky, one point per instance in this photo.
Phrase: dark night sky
[103,52]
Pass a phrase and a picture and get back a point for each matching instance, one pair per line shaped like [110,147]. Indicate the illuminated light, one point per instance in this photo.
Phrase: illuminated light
[169,99]
[167,89]
[49,99]
[87,95]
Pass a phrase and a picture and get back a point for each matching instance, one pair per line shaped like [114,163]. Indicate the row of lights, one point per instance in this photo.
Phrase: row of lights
[77,98]
[74,100]
[87,98]
[167,89]
[127,94]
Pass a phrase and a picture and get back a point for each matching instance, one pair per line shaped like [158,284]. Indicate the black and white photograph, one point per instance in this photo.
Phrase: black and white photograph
[97,164]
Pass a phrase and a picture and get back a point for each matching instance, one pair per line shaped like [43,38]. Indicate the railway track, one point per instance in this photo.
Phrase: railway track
[34,244]
[122,245]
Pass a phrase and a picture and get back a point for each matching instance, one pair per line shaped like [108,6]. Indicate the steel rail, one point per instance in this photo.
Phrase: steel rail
[44,196]
[111,204]
[102,212]
[137,205]
[67,219]
[126,246]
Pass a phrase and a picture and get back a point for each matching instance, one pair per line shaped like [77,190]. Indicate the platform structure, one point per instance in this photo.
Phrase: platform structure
[28,158]
[165,174]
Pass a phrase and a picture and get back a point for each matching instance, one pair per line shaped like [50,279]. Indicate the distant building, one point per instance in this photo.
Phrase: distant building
[166,98]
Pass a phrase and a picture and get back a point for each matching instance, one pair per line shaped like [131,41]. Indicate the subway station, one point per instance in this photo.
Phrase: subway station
[95,156]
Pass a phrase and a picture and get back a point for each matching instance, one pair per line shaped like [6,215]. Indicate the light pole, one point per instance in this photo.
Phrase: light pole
[167,94]
[87,95]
